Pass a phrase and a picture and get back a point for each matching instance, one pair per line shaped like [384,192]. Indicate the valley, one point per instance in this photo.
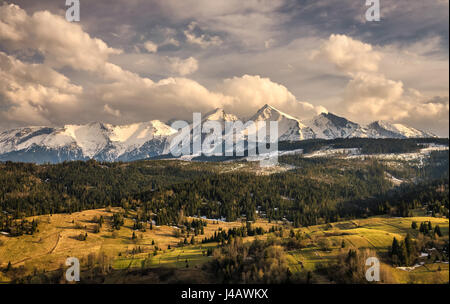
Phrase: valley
[160,250]
[314,218]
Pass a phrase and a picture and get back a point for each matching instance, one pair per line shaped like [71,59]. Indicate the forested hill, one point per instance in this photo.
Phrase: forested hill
[314,191]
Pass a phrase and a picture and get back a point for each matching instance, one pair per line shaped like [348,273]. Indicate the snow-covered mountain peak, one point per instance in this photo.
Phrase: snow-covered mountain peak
[336,120]
[139,132]
[270,113]
[219,114]
[329,126]
[109,142]
[385,129]
[91,138]
[289,127]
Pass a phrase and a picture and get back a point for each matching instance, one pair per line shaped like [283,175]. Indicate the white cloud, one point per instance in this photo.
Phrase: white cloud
[370,95]
[111,111]
[33,93]
[166,99]
[183,67]
[249,93]
[61,42]
[114,88]
[151,47]
[202,40]
[171,41]
[247,23]
[349,55]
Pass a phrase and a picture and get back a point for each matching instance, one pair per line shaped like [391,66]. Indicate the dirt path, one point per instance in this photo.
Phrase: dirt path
[39,255]
[56,245]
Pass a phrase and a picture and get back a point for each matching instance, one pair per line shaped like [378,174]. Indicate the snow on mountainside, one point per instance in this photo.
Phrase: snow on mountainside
[127,138]
[289,127]
[91,138]
[94,140]
[330,126]
[384,129]
[108,142]
[220,115]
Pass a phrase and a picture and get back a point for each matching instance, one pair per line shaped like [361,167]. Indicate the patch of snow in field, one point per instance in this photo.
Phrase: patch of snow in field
[393,179]
[415,156]
[409,268]
[291,152]
[222,219]
[345,152]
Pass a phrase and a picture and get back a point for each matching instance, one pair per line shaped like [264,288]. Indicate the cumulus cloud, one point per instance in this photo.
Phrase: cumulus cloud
[349,55]
[166,99]
[151,47]
[94,82]
[124,96]
[61,42]
[33,93]
[370,95]
[183,67]
[249,93]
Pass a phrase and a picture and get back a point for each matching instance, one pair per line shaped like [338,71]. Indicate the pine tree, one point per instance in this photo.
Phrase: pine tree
[403,254]
[422,228]
[410,249]
[437,230]
[395,247]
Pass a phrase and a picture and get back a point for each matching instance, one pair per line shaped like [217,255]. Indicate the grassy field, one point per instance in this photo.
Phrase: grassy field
[376,234]
[57,239]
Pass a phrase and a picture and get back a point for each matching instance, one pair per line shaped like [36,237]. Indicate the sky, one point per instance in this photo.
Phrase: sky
[139,60]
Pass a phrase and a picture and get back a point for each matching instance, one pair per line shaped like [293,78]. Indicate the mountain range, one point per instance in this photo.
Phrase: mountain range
[107,142]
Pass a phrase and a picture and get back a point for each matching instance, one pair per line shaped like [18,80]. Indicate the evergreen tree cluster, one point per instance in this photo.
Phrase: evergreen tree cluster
[403,253]
[222,236]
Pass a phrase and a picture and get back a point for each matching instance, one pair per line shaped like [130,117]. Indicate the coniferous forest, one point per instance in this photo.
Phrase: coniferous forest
[315,191]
